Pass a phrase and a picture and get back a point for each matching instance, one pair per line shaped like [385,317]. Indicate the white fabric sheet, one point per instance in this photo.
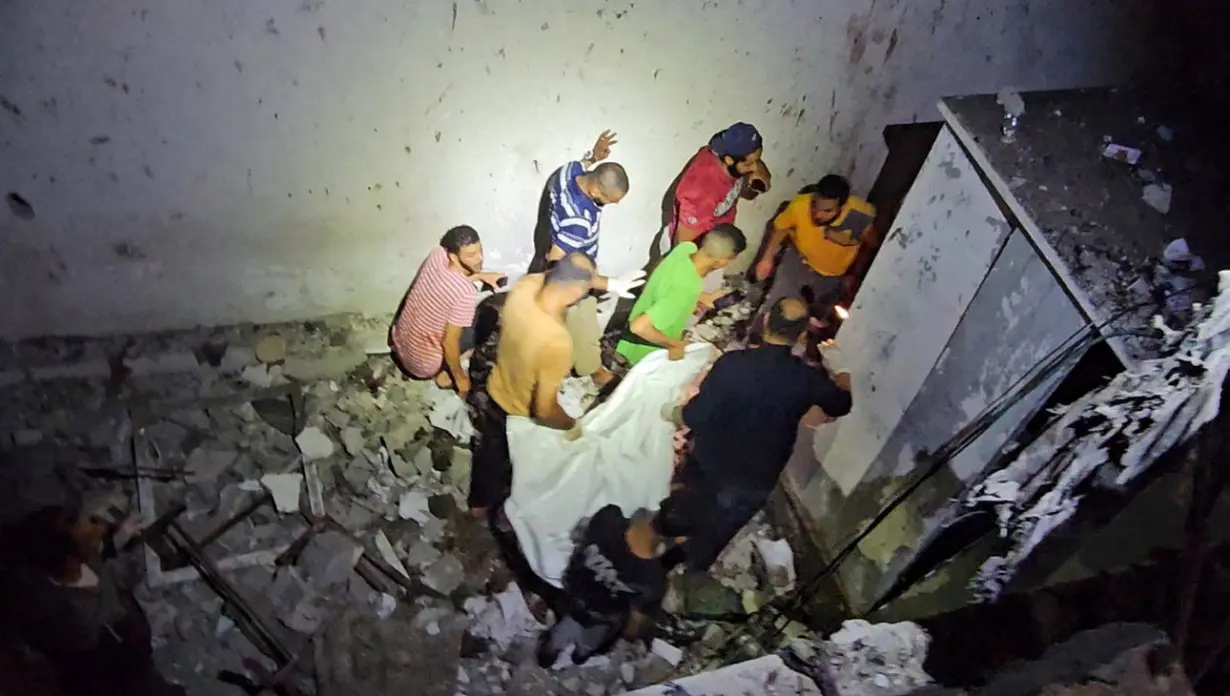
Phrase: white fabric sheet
[624,456]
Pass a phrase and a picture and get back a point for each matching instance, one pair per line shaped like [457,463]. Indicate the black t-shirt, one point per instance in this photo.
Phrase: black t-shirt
[605,576]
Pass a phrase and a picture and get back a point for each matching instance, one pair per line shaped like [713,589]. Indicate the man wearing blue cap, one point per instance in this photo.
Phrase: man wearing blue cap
[718,175]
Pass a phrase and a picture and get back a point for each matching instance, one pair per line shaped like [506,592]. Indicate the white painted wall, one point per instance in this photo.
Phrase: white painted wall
[289,158]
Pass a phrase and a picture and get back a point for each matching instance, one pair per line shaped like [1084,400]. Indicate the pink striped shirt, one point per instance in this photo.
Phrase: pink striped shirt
[438,296]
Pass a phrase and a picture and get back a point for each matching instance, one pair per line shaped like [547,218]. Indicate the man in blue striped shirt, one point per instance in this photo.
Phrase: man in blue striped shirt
[578,194]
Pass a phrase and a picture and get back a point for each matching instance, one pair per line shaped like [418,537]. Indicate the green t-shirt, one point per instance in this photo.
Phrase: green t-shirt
[669,299]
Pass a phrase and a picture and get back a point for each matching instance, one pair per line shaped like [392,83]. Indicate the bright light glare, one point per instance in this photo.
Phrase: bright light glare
[842,313]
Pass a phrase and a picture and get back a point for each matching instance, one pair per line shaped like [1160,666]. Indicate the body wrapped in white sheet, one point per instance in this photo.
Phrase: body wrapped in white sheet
[625,456]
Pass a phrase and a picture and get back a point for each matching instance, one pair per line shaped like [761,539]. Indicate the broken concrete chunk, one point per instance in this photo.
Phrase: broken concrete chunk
[237,358]
[353,441]
[257,376]
[386,604]
[459,471]
[279,413]
[328,559]
[776,563]
[270,349]
[314,444]
[385,548]
[414,506]
[336,363]
[423,462]
[208,464]
[285,490]
[422,554]
[358,473]
[666,651]
[295,603]
[1157,196]
[445,575]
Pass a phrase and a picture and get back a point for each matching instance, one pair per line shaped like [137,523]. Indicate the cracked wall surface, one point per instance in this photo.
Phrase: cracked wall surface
[211,163]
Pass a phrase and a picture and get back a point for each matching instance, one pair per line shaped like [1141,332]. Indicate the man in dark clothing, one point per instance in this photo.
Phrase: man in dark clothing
[615,581]
[67,604]
[744,421]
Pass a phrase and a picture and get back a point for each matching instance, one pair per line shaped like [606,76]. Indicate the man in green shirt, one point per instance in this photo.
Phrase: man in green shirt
[675,292]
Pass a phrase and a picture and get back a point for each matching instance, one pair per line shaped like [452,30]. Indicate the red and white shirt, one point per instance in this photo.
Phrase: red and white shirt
[439,296]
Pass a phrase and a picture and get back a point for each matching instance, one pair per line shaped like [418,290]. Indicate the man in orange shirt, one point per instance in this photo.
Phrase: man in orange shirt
[827,228]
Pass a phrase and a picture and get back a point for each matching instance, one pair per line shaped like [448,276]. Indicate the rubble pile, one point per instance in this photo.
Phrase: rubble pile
[865,659]
[331,493]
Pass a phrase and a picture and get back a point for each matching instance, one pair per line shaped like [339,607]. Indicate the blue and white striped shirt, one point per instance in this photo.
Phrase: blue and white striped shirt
[574,215]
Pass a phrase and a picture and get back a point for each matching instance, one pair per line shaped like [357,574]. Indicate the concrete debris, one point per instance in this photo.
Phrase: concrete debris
[1153,408]
[314,444]
[763,675]
[445,575]
[209,464]
[328,559]
[388,553]
[353,441]
[1121,153]
[422,554]
[285,490]
[258,375]
[386,604]
[777,561]
[666,651]
[414,505]
[849,662]
[503,618]
[270,349]
[1157,196]
[296,603]
[448,413]
[336,363]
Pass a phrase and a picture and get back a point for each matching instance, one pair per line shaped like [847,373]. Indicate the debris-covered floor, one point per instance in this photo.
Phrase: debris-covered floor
[287,428]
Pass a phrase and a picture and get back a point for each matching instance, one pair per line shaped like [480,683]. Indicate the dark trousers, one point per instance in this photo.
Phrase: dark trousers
[589,633]
[491,475]
[709,512]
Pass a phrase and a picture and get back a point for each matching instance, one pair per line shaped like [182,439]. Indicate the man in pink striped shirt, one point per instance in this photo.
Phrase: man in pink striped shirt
[434,326]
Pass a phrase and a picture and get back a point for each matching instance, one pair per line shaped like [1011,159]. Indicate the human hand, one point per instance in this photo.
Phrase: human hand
[764,268]
[842,379]
[574,433]
[622,286]
[491,280]
[760,179]
[672,413]
[707,299]
[462,383]
[602,146]
[676,351]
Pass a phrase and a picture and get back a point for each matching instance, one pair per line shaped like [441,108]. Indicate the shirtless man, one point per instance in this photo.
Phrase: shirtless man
[533,358]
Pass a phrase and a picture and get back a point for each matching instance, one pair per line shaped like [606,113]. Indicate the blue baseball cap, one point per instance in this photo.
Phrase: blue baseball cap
[738,141]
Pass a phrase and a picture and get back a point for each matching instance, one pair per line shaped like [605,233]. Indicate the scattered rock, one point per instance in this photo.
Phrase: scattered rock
[236,359]
[445,575]
[208,464]
[386,551]
[627,672]
[414,506]
[776,563]
[285,490]
[279,413]
[314,444]
[666,651]
[422,554]
[270,349]
[328,559]
[443,506]
[257,376]
[296,603]
[352,441]
[336,363]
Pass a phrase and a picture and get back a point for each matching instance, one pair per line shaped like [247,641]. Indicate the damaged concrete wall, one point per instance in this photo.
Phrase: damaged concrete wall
[984,311]
[208,163]
[945,238]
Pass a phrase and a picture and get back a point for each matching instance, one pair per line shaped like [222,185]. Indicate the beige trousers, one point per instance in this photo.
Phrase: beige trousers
[582,323]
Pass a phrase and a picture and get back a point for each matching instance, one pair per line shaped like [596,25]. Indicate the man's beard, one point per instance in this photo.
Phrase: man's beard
[470,270]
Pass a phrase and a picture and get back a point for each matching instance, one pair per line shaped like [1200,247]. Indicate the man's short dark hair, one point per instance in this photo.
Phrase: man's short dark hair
[833,187]
[44,538]
[783,326]
[573,268]
[459,236]
[611,178]
[724,242]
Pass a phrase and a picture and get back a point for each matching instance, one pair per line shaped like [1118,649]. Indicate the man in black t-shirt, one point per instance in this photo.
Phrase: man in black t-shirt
[615,581]
[744,421]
